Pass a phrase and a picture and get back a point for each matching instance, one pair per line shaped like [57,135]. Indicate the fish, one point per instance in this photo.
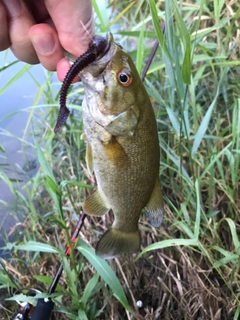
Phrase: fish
[122,150]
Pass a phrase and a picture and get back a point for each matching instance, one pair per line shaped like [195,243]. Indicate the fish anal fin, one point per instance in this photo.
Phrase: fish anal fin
[115,153]
[89,159]
[155,206]
[95,204]
[115,243]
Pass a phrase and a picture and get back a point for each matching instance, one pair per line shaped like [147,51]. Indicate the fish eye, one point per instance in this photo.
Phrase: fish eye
[124,78]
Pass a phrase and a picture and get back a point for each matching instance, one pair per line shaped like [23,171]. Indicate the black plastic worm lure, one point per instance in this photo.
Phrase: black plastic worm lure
[97,47]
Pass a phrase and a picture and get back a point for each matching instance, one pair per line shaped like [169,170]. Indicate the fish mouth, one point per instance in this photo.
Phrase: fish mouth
[109,39]
[94,83]
[97,68]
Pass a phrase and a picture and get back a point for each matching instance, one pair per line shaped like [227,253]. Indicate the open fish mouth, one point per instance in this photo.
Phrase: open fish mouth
[99,65]
[110,40]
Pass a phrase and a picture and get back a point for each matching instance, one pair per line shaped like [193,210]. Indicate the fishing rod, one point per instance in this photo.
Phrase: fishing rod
[45,306]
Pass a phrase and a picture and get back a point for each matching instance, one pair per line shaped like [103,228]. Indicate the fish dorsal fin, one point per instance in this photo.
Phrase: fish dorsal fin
[95,204]
[155,206]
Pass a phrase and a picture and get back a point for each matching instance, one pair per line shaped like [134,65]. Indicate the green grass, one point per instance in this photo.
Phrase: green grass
[189,268]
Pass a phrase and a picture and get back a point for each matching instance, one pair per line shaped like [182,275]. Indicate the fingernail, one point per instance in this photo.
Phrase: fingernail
[43,44]
[14,7]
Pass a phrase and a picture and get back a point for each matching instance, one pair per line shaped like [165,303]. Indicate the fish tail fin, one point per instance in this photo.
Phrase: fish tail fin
[115,242]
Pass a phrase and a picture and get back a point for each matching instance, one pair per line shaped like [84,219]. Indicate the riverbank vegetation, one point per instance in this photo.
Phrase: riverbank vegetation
[189,268]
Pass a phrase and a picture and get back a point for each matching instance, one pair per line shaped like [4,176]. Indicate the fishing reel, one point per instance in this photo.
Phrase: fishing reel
[27,311]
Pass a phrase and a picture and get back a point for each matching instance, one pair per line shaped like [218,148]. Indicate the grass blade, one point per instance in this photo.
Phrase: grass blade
[89,288]
[203,126]
[65,183]
[140,51]
[236,241]
[8,181]
[158,28]
[186,66]
[17,76]
[8,65]
[169,243]
[100,7]
[120,14]
[198,211]
[105,271]
[43,163]
[36,246]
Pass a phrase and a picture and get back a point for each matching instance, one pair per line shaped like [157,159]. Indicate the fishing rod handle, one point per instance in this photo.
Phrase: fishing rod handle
[43,309]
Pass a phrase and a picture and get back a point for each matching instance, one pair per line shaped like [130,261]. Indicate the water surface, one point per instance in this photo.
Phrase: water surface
[19,95]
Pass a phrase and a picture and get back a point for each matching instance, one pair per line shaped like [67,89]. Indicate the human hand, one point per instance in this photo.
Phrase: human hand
[38,31]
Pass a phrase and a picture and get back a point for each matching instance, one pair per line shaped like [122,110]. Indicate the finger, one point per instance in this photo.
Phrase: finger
[74,23]
[4,37]
[20,20]
[38,10]
[45,41]
[62,69]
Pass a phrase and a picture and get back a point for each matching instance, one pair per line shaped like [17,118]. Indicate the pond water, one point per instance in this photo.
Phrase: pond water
[19,95]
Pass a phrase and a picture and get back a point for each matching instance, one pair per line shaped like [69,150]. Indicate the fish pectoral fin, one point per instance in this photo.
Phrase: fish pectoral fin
[155,206]
[115,243]
[95,205]
[89,159]
[116,154]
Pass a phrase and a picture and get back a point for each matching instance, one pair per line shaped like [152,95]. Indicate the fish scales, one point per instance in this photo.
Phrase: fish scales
[123,150]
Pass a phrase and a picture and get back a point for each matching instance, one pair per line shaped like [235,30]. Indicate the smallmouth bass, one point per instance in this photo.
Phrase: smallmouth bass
[122,150]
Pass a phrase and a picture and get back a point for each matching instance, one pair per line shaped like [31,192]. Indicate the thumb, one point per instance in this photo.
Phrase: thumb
[74,23]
